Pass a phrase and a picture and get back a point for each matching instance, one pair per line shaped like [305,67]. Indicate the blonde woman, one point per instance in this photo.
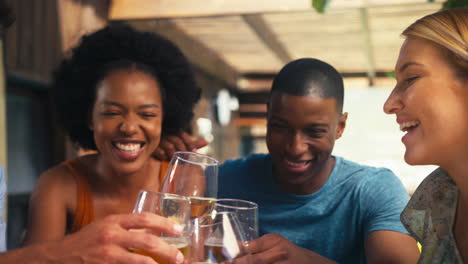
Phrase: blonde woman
[430,104]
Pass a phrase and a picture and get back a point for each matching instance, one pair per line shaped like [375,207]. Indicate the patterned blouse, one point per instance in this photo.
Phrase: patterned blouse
[429,218]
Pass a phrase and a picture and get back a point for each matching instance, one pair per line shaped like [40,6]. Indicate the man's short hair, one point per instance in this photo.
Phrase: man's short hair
[310,77]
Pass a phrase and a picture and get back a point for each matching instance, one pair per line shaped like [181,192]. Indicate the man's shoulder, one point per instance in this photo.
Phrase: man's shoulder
[365,177]
[253,168]
[241,178]
[364,172]
[253,160]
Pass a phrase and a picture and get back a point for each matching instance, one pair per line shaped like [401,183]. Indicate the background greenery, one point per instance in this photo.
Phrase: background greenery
[321,5]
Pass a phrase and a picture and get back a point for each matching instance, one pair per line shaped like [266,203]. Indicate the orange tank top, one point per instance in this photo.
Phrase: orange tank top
[84,213]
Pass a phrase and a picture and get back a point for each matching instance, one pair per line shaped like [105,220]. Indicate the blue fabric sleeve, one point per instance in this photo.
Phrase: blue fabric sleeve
[2,211]
[384,198]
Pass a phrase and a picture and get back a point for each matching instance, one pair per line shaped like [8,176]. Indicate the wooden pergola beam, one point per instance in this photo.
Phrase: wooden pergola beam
[255,84]
[197,52]
[343,4]
[143,9]
[268,37]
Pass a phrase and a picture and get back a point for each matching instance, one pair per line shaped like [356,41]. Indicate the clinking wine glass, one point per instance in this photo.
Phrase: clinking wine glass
[172,206]
[221,240]
[247,214]
[195,176]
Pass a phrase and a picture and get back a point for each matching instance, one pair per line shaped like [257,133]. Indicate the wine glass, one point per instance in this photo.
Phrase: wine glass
[172,206]
[247,214]
[219,238]
[195,176]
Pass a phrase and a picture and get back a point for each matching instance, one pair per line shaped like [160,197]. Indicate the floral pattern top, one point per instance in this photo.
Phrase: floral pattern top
[429,218]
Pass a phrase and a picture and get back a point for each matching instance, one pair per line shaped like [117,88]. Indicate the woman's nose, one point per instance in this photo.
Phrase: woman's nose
[128,126]
[393,103]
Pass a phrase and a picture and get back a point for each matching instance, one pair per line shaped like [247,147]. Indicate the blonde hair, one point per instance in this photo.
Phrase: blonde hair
[449,29]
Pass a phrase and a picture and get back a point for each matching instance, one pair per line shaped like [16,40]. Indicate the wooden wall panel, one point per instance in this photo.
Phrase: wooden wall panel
[44,30]
[33,41]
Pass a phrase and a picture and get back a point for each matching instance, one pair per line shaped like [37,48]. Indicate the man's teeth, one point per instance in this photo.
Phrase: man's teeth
[128,147]
[296,164]
[406,125]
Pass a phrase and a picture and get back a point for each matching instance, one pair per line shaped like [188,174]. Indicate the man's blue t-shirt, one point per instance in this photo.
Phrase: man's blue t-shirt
[333,221]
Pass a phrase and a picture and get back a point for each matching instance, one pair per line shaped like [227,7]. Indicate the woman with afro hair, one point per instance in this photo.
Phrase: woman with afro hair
[117,93]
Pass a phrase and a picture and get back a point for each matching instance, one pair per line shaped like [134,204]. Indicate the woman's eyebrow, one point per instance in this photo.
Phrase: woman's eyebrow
[409,63]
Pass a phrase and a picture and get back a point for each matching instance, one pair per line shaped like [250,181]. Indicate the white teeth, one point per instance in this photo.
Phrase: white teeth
[406,125]
[128,147]
[296,164]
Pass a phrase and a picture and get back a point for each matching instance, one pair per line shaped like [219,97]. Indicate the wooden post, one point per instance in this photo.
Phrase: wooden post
[5,21]
[3,129]
[367,45]
[77,18]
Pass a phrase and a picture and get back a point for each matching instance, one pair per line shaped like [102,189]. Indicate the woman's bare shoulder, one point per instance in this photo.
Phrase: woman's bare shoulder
[56,183]
[61,174]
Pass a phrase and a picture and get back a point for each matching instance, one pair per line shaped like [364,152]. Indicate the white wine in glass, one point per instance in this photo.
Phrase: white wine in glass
[201,206]
[195,176]
[172,206]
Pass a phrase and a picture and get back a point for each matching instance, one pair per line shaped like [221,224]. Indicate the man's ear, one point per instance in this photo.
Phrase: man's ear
[341,125]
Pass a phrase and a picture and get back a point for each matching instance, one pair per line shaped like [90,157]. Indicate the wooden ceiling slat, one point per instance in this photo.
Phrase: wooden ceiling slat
[232,37]
[386,25]
[197,52]
[276,37]
[264,32]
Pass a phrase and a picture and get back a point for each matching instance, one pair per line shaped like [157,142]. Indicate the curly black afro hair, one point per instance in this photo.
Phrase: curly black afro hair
[118,47]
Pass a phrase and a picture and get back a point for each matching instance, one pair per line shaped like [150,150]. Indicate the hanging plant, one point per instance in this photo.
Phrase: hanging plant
[454,3]
[320,5]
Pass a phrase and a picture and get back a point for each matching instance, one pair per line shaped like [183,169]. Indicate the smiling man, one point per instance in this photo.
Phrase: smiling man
[321,207]
[314,207]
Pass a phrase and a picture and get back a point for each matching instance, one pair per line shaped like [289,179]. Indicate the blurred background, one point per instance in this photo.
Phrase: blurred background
[235,47]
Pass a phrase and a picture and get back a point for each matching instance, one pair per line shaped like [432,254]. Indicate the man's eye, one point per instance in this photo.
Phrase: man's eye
[315,132]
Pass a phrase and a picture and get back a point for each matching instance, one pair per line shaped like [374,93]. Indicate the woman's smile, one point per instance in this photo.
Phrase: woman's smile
[128,150]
